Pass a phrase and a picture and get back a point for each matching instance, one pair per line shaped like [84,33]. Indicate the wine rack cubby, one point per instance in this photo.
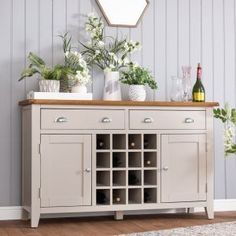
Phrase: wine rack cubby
[119,159]
[126,169]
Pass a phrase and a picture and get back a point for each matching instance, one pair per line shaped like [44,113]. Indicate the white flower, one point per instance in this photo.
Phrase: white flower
[126,61]
[101,44]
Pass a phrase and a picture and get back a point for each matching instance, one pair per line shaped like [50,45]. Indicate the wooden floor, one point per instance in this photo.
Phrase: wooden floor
[107,226]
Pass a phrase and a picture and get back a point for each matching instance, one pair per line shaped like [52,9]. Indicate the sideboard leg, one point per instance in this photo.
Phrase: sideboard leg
[209,212]
[119,215]
[35,219]
[190,210]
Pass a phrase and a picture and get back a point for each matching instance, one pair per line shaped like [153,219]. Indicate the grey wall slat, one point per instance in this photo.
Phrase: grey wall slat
[218,42]
[59,16]
[171,42]
[160,49]
[46,31]
[207,47]
[17,93]
[32,22]
[173,33]
[5,103]
[229,37]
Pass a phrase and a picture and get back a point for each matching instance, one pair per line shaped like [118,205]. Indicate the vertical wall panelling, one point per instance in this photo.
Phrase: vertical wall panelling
[160,49]
[5,101]
[229,38]
[32,25]
[45,30]
[59,16]
[207,47]
[183,34]
[172,42]
[173,33]
[17,93]
[149,43]
[195,34]
[219,54]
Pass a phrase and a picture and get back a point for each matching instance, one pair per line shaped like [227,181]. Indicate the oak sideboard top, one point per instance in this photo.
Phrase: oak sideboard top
[117,103]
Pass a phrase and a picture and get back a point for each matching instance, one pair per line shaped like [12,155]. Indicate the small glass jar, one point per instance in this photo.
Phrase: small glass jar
[176,93]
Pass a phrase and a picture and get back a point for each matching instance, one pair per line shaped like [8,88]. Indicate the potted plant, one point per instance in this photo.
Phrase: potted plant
[49,77]
[228,117]
[108,54]
[137,78]
[79,77]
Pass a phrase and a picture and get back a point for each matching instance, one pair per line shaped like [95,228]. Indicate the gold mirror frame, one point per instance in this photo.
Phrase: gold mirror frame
[122,25]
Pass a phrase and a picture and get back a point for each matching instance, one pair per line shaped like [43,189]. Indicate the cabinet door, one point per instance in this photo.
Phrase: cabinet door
[183,163]
[65,170]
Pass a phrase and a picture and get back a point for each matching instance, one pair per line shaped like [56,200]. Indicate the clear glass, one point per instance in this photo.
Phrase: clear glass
[187,83]
[176,93]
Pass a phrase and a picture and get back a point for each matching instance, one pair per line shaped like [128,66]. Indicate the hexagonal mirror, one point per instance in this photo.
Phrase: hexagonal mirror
[125,13]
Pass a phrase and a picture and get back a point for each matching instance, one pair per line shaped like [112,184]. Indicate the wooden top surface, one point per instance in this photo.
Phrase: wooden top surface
[117,103]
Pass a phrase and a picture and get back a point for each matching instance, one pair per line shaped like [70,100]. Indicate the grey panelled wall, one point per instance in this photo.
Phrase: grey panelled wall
[173,33]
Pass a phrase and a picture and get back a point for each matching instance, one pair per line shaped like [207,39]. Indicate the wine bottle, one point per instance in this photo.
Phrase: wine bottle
[198,88]
[100,144]
[148,162]
[132,145]
[147,197]
[133,180]
[145,144]
[116,199]
[101,198]
[116,161]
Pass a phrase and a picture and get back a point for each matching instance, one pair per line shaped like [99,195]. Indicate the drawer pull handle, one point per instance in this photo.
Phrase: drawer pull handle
[61,120]
[189,120]
[88,170]
[106,120]
[148,120]
[166,168]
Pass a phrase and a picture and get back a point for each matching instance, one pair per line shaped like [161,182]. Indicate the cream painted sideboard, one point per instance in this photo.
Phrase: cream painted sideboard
[95,156]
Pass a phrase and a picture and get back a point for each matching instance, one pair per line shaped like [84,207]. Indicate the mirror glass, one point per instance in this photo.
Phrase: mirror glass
[123,12]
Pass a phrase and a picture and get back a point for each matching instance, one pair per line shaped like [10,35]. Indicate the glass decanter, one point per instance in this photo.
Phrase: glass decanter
[187,83]
[176,93]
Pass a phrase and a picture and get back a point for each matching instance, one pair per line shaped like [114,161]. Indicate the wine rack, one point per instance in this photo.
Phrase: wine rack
[126,169]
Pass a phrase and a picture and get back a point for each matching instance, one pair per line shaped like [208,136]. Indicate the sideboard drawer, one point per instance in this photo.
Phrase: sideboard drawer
[164,119]
[55,119]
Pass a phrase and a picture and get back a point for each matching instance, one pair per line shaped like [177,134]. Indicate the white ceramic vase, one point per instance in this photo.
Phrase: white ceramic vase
[137,93]
[49,86]
[82,89]
[112,90]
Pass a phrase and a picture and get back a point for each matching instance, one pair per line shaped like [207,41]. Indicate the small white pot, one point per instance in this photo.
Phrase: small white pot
[137,93]
[49,86]
[79,89]
[112,90]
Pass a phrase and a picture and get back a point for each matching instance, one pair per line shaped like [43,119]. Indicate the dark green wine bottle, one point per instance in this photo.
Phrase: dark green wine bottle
[198,88]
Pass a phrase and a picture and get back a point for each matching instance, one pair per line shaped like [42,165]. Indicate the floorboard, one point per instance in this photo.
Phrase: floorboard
[107,226]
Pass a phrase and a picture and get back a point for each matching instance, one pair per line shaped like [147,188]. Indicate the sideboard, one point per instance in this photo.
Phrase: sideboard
[100,156]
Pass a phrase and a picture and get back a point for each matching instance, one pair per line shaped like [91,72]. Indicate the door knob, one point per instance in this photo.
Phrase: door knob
[165,168]
[88,170]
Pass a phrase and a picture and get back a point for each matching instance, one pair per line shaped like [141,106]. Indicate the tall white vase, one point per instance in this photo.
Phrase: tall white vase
[112,90]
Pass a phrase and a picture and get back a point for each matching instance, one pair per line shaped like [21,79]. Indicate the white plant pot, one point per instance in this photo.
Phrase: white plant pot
[82,89]
[112,90]
[49,86]
[137,93]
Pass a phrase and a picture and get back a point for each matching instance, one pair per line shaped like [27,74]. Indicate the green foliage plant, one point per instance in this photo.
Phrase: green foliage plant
[228,117]
[137,75]
[38,66]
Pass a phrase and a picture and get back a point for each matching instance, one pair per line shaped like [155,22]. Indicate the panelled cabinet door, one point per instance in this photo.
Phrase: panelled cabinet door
[65,170]
[183,168]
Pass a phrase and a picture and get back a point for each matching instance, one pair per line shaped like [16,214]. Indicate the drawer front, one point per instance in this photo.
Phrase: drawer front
[54,119]
[157,119]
